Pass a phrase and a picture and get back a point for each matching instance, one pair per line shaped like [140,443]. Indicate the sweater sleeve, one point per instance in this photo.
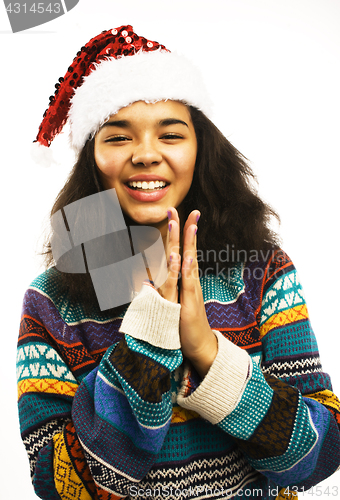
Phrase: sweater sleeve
[46,388]
[94,438]
[282,412]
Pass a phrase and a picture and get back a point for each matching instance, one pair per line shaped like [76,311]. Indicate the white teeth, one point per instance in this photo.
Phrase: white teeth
[147,185]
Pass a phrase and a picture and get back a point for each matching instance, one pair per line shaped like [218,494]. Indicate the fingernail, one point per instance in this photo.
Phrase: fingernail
[198,217]
[191,261]
[169,214]
[196,230]
[169,225]
[170,258]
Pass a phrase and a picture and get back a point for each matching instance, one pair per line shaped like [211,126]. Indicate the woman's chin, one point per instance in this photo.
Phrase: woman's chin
[148,219]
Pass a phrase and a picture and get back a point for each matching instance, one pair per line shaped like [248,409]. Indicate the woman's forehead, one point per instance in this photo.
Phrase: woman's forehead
[160,113]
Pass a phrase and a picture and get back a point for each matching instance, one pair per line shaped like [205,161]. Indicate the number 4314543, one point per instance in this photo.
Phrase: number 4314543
[35,8]
[317,491]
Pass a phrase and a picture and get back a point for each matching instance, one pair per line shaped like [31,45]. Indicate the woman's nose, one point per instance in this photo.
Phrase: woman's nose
[146,153]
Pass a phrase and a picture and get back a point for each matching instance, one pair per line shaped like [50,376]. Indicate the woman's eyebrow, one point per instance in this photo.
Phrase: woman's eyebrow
[172,121]
[126,123]
[117,123]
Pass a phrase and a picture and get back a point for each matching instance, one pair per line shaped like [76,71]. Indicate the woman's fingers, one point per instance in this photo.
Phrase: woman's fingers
[169,288]
[192,219]
[198,342]
[189,266]
[173,214]
[190,243]
[173,240]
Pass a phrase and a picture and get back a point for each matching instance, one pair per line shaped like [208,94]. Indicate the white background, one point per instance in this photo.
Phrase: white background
[272,68]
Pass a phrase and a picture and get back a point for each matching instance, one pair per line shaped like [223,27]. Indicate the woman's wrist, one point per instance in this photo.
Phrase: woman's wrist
[203,357]
[153,319]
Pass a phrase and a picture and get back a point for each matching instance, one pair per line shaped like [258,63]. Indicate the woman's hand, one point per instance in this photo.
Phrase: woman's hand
[198,342]
[169,289]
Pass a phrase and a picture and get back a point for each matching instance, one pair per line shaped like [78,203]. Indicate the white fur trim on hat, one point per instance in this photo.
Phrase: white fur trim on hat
[42,155]
[117,83]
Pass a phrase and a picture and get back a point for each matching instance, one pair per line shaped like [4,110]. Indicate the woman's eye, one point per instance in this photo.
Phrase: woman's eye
[172,136]
[117,138]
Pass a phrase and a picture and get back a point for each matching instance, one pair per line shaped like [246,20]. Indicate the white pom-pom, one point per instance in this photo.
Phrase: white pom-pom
[42,155]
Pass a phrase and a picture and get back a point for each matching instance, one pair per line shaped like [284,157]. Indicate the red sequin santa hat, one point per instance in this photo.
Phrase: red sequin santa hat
[111,71]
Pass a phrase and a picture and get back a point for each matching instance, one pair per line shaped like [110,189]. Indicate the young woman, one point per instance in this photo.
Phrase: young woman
[207,386]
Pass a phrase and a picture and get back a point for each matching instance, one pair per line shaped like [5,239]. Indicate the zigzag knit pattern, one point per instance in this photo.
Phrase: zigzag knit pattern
[100,410]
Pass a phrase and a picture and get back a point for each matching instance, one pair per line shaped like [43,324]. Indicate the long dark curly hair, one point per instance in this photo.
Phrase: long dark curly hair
[232,214]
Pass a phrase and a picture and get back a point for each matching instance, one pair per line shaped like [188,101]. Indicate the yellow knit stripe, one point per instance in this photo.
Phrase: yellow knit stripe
[283,318]
[182,415]
[326,397]
[287,494]
[67,482]
[47,385]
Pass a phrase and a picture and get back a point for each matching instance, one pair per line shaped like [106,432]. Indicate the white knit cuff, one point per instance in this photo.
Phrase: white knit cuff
[223,385]
[153,319]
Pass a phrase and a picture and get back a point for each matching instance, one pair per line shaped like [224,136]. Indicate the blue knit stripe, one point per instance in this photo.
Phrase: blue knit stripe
[305,463]
[104,442]
[285,293]
[251,408]
[293,341]
[329,458]
[303,439]
[170,358]
[113,407]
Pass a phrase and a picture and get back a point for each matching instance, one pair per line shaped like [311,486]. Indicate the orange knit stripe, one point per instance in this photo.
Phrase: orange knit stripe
[51,386]
[284,318]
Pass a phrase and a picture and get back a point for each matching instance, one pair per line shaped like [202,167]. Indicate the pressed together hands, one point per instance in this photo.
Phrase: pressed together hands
[198,342]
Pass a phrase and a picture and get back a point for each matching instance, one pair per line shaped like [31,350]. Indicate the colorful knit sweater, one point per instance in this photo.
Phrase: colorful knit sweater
[109,409]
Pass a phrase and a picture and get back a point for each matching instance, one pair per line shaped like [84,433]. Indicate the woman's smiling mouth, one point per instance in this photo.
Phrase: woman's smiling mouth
[147,191]
[144,185]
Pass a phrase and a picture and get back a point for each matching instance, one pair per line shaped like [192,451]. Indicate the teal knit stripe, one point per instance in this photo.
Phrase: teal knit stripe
[106,368]
[193,437]
[169,358]
[285,293]
[251,409]
[303,439]
[224,288]
[148,414]
[43,479]
[37,408]
[312,382]
[295,340]
[39,360]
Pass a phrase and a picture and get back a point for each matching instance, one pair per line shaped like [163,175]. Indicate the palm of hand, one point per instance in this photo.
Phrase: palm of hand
[198,342]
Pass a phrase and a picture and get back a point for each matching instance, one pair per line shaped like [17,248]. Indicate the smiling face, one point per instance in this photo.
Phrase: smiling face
[147,153]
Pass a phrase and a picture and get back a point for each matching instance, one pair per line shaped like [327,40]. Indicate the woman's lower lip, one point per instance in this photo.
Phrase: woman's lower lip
[147,195]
